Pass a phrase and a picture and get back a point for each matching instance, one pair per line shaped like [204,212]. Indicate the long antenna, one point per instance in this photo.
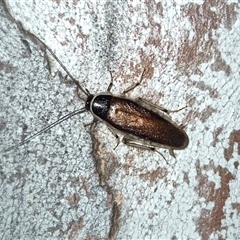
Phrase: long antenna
[63,67]
[79,111]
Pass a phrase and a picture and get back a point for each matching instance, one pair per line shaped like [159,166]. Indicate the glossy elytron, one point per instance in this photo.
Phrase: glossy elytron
[137,122]
[141,124]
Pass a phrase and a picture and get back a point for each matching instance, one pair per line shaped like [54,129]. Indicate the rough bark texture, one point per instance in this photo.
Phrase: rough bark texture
[70,182]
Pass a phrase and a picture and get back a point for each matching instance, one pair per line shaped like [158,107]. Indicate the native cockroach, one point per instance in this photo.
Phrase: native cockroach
[141,124]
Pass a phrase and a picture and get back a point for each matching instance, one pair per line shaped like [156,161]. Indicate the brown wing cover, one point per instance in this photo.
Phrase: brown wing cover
[128,116]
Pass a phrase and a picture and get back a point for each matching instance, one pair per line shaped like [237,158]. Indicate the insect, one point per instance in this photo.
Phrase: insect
[141,124]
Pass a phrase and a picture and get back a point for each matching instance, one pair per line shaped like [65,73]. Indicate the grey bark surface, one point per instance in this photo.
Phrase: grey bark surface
[70,182]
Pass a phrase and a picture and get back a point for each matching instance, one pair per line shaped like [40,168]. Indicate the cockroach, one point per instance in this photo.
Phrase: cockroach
[141,124]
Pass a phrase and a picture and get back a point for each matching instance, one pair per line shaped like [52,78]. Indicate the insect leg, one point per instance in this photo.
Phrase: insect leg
[116,136]
[177,110]
[182,126]
[172,153]
[134,143]
[135,84]
[93,125]
[111,83]
[153,105]
[159,107]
